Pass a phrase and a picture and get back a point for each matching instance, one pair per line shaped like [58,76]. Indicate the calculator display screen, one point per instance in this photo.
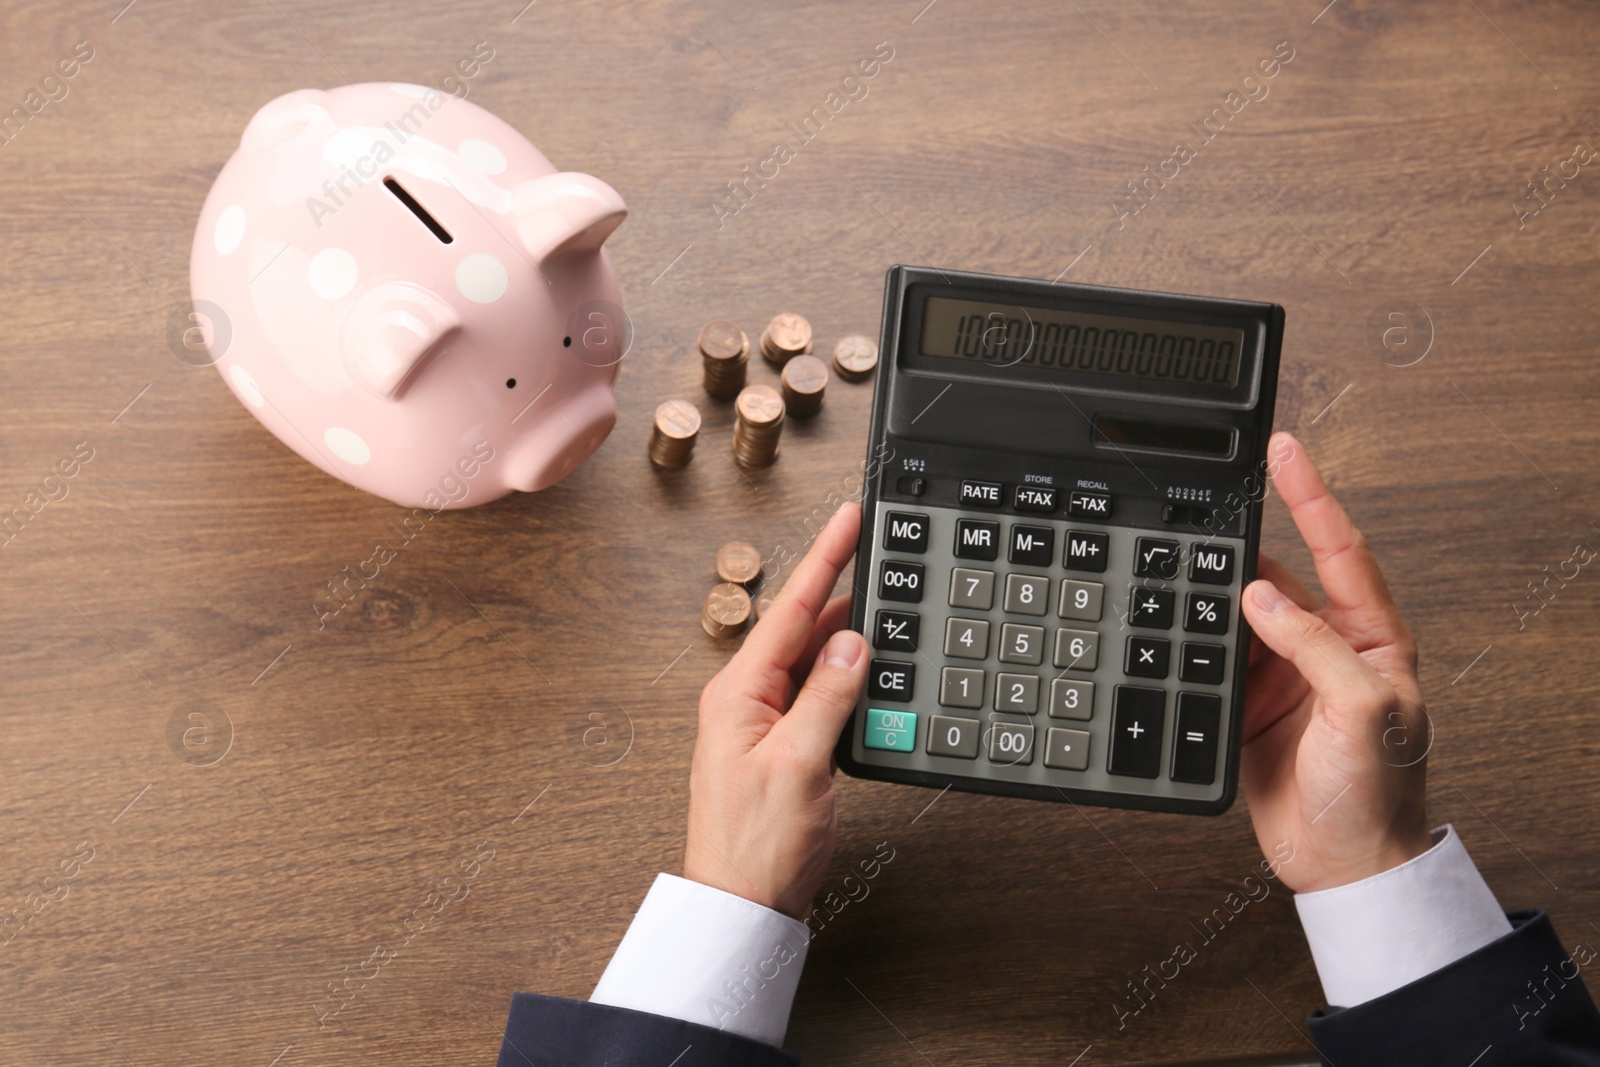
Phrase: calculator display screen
[1007,335]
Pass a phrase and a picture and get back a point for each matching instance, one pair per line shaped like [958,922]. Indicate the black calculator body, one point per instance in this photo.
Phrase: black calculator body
[1062,504]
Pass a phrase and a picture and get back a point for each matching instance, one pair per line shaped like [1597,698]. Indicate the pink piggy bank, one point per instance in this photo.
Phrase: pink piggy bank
[406,291]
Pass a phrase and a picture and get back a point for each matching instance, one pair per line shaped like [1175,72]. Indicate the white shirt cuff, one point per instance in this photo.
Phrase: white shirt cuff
[1371,937]
[704,956]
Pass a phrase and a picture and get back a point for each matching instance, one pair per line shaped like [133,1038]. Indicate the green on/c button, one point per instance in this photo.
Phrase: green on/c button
[895,731]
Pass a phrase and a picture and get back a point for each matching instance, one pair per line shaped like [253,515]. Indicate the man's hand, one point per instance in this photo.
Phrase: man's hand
[761,804]
[1334,727]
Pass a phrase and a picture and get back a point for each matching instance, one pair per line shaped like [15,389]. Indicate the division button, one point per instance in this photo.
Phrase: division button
[905,531]
[1207,613]
[1071,699]
[1147,657]
[1031,546]
[980,494]
[1035,498]
[1155,558]
[1086,551]
[887,680]
[900,580]
[971,588]
[1194,744]
[949,736]
[1151,607]
[1211,563]
[1137,717]
[1066,749]
[896,631]
[961,687]
[977,539]
[1010,743]
[892,731]
[1089,506]
[1202,663]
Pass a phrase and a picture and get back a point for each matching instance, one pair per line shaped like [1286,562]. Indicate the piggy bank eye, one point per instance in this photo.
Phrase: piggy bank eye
[566,342]
[511,383]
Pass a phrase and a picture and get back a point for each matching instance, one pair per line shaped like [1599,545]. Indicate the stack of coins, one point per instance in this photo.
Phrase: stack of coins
[673,435]
[855,357]
[757,424]
[804,379]
[739,562]
[727,610]
[724,355]
[786,336]
[764,603]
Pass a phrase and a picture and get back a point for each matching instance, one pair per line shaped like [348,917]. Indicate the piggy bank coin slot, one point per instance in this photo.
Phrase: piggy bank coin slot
[418,210]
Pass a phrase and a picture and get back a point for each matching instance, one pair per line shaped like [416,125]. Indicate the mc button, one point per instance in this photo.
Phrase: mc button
[905,531]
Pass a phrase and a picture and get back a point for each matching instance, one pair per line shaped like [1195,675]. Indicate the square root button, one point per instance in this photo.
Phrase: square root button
[891,731]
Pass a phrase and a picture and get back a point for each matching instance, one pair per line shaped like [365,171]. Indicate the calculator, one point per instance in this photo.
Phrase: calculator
[1062,504]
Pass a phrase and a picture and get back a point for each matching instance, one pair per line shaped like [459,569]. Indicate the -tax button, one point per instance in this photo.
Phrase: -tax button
[1089,506]
[981,494]
[892,731]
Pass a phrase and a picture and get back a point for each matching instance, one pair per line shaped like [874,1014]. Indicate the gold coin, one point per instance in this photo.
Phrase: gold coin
[759,405]
[721,339]
[855,357]
[789,333]
[738,562]
[764,602]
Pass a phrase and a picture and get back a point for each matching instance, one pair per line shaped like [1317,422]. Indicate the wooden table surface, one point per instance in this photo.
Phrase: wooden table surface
[213,903]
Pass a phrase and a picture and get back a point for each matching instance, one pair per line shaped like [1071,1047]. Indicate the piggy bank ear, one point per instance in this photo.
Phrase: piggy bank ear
[392,333]
[566,213]
[284,118]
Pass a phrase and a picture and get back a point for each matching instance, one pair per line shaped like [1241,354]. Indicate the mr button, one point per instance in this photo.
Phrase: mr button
[977,539]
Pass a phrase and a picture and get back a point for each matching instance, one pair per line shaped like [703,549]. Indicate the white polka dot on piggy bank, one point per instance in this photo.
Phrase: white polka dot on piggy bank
[400,269]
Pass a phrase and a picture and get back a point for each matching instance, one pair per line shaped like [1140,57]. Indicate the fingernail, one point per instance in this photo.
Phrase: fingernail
[843,649]
[1267,596]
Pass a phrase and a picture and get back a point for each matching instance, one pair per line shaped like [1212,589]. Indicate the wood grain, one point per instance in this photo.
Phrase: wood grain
[371,756]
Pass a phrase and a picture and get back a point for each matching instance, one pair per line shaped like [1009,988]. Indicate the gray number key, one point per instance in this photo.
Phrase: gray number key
[971,589]
[1081,600]
[1067,749]
[1010,742]
[966,639]
[1077,650]
[953,737]
[1071,699]
[1016,692]
[1021,644]
[961,687]
[1027,594]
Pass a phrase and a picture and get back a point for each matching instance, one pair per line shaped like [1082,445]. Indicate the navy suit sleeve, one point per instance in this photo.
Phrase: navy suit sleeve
[550,1032]
[1515,1001]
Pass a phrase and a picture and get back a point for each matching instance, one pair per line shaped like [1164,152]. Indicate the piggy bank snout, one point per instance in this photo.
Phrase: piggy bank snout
[393,332]
[559,444]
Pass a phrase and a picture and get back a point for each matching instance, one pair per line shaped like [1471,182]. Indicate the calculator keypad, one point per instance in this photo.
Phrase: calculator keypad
[1110,649]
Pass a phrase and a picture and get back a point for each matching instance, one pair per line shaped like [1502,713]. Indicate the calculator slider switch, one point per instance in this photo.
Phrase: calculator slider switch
[911,485]
[980,494]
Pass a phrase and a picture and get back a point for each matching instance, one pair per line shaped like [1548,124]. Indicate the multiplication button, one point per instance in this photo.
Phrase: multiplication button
[900,580]
[905,531]
[1137,717]
[1148,657]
